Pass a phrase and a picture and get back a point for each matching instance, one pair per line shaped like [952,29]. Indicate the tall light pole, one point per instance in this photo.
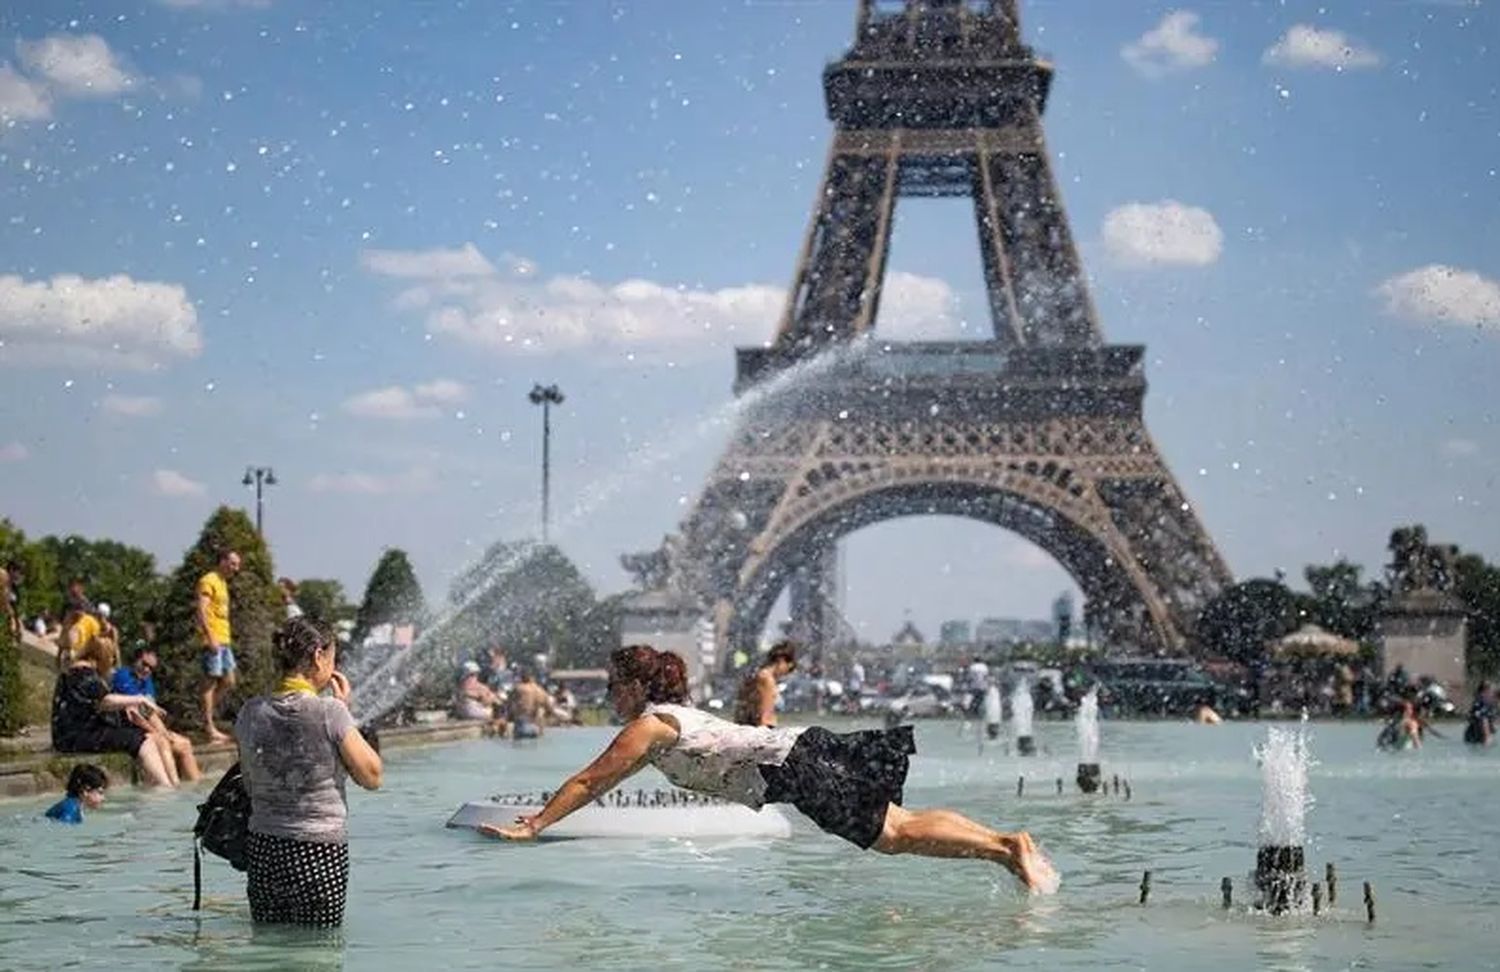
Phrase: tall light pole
[259,477]
[546,397]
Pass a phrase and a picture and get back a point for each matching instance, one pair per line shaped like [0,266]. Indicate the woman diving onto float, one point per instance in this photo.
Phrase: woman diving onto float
[849,784]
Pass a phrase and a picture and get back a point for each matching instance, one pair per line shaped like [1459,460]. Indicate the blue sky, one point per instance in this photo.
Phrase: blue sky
[344,238]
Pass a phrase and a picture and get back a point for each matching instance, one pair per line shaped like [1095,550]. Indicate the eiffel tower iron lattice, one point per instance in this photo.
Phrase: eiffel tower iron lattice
[1038,429]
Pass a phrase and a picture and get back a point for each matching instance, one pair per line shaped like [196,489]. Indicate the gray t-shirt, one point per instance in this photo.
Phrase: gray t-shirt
[289,753]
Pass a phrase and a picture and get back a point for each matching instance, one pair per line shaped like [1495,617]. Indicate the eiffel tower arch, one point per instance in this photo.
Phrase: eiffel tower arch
[1037,429]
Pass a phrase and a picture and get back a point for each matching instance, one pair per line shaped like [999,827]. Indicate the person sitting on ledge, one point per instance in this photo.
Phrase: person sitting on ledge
[86,715]
[86,786]
[474,701]
[139,678]
[849,784]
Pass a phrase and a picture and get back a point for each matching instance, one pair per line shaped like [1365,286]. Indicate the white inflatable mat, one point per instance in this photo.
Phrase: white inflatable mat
[643,814]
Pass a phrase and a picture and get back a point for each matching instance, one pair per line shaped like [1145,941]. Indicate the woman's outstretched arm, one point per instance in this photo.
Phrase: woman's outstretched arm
[629,751]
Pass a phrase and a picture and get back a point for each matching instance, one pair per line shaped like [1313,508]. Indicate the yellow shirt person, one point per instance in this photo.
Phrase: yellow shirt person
[211,597]
[213,594]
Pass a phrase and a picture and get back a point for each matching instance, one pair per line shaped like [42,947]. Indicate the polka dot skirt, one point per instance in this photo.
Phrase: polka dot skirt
[297,882]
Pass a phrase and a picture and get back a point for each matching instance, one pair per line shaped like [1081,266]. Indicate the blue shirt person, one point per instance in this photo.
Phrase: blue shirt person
[139,678]
[86,786]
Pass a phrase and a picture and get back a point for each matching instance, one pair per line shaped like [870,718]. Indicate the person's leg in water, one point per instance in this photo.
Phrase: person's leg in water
[149,758]
[164,749]
[944,833]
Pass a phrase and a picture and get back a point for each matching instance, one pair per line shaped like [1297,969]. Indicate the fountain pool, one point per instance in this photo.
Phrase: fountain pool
[1421,826]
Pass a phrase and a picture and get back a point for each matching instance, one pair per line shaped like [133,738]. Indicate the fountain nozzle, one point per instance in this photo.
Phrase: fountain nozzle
[1090,777]
[1281,878]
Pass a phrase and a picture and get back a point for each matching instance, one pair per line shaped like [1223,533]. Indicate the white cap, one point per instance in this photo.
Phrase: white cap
[103,609]
[471,668]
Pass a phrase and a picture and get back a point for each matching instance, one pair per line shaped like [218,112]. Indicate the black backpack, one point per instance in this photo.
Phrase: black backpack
[223,827]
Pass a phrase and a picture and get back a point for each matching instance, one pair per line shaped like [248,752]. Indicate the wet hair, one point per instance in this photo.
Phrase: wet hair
[662,674]
[298,641]
[86,776]
[782,651]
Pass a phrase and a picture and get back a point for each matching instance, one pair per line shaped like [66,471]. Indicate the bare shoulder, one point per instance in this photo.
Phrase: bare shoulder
[655,729]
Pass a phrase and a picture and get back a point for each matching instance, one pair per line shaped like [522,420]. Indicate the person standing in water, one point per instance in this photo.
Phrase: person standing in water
[756,703]
[849,784]
[296,748]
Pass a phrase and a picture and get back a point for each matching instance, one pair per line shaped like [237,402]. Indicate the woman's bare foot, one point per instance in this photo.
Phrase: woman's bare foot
[1031,866]
[216,737]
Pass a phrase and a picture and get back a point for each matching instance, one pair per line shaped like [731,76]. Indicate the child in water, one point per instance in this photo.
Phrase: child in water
[86,786]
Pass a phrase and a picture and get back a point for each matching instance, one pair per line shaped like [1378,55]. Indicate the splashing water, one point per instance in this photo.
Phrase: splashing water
[1087,724]
[1020,709]
[992,708]
[384,682]
[1284,799]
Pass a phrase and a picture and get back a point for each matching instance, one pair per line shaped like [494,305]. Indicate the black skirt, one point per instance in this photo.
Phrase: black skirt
[296,882]
[844,782]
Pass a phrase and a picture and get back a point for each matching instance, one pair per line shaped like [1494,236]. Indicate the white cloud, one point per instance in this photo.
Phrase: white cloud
[1306,46]
[444,391]
[132,406]
[22,99]
[78,66]
[114,321]
[1461,448]
[14,452]
[1171,46]
[1443,294]
[397,402]
[514,310]
[214,4]
[417,480]
[170,482]
[1166,233]
[466,261]
[917,308]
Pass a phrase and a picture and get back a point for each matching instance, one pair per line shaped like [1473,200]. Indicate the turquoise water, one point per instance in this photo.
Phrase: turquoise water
[1423,827]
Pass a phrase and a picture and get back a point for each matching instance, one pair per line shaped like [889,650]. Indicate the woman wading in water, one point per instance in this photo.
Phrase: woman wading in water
[849,784]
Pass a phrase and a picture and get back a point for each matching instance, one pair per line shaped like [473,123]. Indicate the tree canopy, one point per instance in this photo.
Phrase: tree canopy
[392,596]
[532,600]
[254,611]
[1244,617]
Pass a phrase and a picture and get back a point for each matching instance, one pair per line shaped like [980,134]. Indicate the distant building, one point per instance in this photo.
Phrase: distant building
[908,637]
[998,631]
[954,633]
[1062,617]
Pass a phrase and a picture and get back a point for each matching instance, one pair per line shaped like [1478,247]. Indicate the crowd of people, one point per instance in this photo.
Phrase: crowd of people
[510,700]
[102,703]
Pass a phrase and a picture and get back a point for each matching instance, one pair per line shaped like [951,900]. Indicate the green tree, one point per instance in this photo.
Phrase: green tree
[10,682]
[1478,586]
[41,591]
[1341,602]
[122,576]
[254,610]
[392,596]
[532,600]
[323,599]
[1244,617]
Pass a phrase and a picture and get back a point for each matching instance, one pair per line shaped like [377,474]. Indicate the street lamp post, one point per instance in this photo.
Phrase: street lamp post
[259,477]
[546,397]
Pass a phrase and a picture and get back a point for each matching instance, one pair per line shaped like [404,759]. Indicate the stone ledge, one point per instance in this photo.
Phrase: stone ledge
[29,776]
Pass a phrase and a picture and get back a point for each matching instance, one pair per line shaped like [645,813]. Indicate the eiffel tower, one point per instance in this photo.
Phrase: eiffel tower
[1037,430]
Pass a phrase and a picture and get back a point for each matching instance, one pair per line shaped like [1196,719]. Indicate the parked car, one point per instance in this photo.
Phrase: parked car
[1153,686]
[922,702]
